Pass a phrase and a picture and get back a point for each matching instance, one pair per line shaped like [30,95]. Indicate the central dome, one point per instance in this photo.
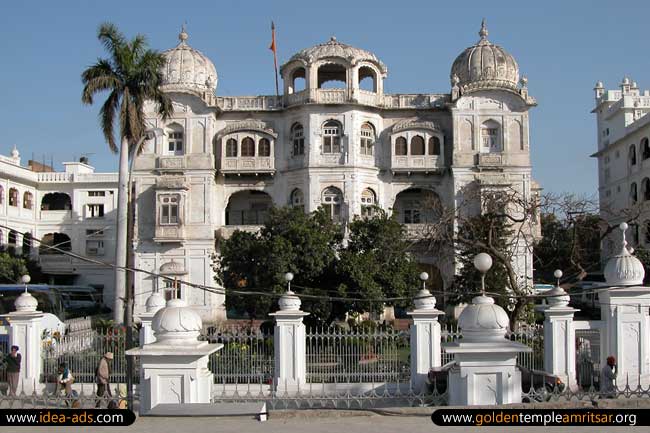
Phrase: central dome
[334,48]
[484,65]
[187,69]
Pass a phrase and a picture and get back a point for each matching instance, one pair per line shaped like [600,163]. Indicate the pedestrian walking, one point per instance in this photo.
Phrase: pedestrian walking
[102,375]
[13,370]
[65,379]
[607,378]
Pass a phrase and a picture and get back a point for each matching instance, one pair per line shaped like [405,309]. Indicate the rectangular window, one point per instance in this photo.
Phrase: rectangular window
[96,193]
[94,233]
[175,143]
[94,248]
[411,216]
[95,211]
[169,210]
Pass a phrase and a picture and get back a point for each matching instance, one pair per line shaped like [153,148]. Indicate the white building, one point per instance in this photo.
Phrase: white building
[73,210]
[333,139]
[623,130]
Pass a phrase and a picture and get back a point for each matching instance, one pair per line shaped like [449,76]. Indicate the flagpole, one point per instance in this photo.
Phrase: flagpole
[275,58]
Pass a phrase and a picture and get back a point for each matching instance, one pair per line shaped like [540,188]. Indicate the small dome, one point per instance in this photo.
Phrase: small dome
[176,324]
[557,297]
[289,302]
[424,300]
[26,303]
[483,320]
[154,302]
[336,49]
[484,65]
[187,69]
[623,269]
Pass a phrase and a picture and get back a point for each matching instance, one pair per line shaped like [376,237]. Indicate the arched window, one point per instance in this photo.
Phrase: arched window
[400,146]
[332,137]
[28,200]
[645,148]
[298,80]
[647,232]
[298,139]
[231,148]
[331,201]
[56,201]
[332,76]
[248,147]
[434,146]
[13,197]
[368,201]
[175,139]
[13,237]
[367,138]
[633,192]
[634,228]
[297,199]
[417,145]
[645,186]
[2,194]
[55,243]
[264,147]
[632,154]
[490,137]
[367,79]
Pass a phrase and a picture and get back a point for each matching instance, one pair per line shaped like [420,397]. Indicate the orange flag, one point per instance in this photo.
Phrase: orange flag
[273,48]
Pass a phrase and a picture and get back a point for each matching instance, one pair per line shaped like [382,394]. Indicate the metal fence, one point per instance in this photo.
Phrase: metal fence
[247,355]
[587,357]
[359,354]
[81,351]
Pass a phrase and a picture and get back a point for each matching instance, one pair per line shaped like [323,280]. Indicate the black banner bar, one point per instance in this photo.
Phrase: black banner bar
[53,417]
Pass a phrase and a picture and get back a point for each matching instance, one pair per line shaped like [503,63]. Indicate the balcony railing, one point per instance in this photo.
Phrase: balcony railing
[491,159]
[242,164]
[169,233]
[417,163]
[56,263]
[246,217]
[56,215]
[227,231]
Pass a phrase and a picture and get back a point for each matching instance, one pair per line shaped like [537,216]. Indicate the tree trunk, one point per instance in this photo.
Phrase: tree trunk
[121,238]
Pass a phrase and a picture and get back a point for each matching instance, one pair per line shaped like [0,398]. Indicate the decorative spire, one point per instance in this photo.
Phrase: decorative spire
[483,33]
[183,36]
[333,40]
[623,269]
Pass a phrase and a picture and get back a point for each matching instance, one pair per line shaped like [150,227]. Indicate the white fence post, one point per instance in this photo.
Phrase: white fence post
[559,336]
[25,332]
[289,345]
[425,338]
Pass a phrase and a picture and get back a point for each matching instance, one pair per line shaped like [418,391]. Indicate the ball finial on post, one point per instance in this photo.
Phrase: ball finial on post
[483,263]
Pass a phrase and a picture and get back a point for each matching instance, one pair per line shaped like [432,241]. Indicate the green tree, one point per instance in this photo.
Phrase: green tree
[131,76]
[12,267]
[376,263]
[290,241]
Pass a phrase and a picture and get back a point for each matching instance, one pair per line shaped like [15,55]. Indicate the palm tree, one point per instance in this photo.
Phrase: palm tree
[131,75]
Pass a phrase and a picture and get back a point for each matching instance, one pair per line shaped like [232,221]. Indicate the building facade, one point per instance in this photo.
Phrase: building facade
[73,210]
[333,138]
[623,130]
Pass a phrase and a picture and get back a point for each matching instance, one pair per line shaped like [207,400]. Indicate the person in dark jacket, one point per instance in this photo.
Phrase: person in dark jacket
[13,370]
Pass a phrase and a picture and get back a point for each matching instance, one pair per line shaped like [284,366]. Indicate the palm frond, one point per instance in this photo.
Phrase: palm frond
[112,39]
[107,118]
[98,78]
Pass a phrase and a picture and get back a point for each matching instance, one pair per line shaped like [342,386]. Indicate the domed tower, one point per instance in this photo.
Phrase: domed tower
[337,62]
[491,149]
[188,70]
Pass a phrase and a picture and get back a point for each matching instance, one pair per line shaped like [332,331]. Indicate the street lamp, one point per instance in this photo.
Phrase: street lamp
[483,263]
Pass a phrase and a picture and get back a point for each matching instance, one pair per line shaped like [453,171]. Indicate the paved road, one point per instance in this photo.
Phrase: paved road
[314,422]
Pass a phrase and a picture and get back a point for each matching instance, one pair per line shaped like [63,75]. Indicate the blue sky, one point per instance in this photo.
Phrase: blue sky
[563,47]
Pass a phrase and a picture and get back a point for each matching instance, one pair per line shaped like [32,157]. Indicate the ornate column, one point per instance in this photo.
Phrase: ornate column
[153,303]
[425,336]
[25,332]
[174,369]
[559,335]
[289,344]
[624,308]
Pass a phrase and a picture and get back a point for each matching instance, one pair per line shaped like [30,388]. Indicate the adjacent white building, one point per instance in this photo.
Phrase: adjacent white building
[623,130]
[333,138]
[73,210]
